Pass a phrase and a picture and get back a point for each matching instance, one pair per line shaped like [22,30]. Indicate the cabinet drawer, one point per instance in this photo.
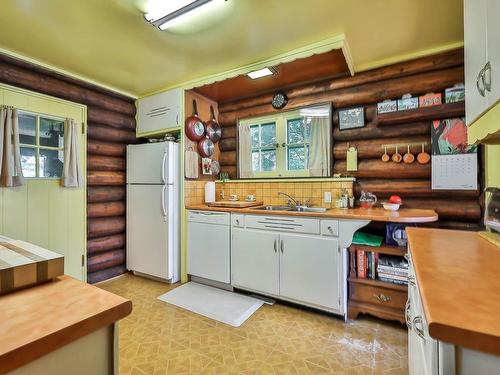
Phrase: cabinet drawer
[330,227]
[378,296]
[238,220]
[283,224]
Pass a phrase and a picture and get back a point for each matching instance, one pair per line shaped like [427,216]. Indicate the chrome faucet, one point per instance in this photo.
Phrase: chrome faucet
[291,201]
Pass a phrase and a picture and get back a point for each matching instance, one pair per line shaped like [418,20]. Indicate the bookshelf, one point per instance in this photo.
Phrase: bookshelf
[382,299]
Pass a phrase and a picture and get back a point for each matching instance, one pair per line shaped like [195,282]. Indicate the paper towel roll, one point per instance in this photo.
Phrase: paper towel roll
[210,192]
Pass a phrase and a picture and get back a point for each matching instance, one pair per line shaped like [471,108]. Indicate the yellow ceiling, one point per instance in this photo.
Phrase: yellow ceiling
[110,43]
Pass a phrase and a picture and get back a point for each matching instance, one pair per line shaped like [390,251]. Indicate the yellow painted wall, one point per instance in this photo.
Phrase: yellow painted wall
[41,211]
[492,166]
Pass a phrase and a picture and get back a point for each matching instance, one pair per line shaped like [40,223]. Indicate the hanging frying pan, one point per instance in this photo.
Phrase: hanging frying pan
[206,147]
[213,129]
[195,129]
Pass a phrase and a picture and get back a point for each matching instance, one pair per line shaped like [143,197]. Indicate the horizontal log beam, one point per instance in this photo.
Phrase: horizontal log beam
[372,131]
[383,188]
[439,61]
[95,277]
[105,226]
[105,260]
[362,95]
[229,132]
[42,83]
[97,194]
[109,134]
[228,158]
[104,178]
[449,209]
[445,110]
[105,163]
[107,243]
[95,147]
[113,119]
[227,144]
[373,148]
[105,209]
[376,168]
[231,170]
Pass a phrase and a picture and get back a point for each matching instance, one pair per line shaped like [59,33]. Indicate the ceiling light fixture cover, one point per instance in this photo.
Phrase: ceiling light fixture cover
[173,12]
[260,73]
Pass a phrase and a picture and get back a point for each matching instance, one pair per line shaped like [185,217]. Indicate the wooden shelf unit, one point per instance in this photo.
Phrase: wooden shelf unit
[435,112]
[382,299]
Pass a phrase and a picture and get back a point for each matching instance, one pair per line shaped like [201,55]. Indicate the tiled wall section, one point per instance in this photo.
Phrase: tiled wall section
[268,191]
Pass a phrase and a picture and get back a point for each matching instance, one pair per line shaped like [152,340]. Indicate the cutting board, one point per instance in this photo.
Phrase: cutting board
[235,204]
[23,264]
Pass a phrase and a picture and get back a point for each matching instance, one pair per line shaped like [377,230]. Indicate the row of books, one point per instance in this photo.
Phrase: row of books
[388,268]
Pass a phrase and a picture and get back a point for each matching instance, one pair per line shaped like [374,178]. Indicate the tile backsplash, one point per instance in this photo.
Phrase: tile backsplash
[268,191]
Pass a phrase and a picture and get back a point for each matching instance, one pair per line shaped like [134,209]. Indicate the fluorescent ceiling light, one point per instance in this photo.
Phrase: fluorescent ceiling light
[173,12]
[260,73]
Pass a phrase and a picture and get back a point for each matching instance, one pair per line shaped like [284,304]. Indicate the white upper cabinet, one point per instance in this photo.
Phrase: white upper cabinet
[482,56]
[159,113]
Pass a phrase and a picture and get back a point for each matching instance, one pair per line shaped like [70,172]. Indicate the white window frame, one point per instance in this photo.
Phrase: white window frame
[37,147]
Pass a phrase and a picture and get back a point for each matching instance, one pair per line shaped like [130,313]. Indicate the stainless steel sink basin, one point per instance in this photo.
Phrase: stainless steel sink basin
[296,209]
[275,208]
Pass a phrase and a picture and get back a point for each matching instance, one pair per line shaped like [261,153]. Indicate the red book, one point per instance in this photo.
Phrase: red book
[360,254]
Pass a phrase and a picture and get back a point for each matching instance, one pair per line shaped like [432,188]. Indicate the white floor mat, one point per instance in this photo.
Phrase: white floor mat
[226,307]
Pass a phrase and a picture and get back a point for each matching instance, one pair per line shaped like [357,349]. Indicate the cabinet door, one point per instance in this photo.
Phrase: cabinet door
[309,269]
[493,40]
[475,56]
[159,112]
[255,260]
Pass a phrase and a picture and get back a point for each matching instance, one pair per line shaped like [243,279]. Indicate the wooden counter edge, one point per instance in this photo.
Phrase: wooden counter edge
[479,341]
[36,349]
[348,215]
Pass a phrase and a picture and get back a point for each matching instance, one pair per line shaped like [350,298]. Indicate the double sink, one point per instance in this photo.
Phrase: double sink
[292,208]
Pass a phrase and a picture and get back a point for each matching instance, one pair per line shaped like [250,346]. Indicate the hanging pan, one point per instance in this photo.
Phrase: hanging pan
[206,147]
[214,131]
[195,129]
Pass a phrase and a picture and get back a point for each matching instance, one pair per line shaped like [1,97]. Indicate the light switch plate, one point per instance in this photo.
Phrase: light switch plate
[327,197]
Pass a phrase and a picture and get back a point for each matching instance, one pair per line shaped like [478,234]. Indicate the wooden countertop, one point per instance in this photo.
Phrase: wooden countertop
[38,320]
[404,215]
[458,275]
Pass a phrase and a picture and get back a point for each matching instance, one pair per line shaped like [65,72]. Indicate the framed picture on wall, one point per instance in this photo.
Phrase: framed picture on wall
[351,118]
[206,166]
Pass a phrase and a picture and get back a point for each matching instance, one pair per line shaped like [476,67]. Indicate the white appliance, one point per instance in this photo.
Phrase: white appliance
[209,245]
[152,210]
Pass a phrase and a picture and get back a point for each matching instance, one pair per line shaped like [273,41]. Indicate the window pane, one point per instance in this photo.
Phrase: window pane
[295,131]
[254,133]
[268,133]
[51,163]
[27,128]
[28,161]
[255,161]
[51,132]
[296,158]
[268,160]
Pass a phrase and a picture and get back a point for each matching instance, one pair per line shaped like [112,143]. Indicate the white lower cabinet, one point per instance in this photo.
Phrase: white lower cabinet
[300,267]
[308,266]
[255,260]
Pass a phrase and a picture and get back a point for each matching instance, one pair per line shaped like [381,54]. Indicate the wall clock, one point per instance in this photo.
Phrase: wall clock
[279,100]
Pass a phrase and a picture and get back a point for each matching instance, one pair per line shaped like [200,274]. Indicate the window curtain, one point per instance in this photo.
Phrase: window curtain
[319,148]
[11,173]
[245,152]
[71,175]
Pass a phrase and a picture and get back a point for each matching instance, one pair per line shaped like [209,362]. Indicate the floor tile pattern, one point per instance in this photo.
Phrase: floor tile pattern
[160,339]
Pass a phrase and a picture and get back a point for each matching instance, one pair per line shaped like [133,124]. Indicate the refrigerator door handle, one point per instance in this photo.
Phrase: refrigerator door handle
[163,167]
[163,208]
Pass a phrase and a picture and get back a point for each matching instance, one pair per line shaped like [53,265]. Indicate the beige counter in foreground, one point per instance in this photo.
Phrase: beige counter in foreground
[61,327]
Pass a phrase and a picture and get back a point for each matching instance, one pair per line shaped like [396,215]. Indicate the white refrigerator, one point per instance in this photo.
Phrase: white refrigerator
[153,210]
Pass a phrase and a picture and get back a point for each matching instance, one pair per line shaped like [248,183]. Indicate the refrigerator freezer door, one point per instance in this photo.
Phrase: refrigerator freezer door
[148,232]
[148,163]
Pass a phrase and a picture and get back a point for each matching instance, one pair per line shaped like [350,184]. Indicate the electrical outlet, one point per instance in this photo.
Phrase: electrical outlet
[328,197]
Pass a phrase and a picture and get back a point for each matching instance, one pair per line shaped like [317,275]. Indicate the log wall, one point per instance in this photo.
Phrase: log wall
[110,127]
[412,182]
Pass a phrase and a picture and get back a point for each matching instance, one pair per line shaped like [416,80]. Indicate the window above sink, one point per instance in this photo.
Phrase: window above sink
[286,144]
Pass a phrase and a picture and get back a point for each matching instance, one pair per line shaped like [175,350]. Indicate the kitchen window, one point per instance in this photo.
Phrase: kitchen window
[41,141]
[287,144]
